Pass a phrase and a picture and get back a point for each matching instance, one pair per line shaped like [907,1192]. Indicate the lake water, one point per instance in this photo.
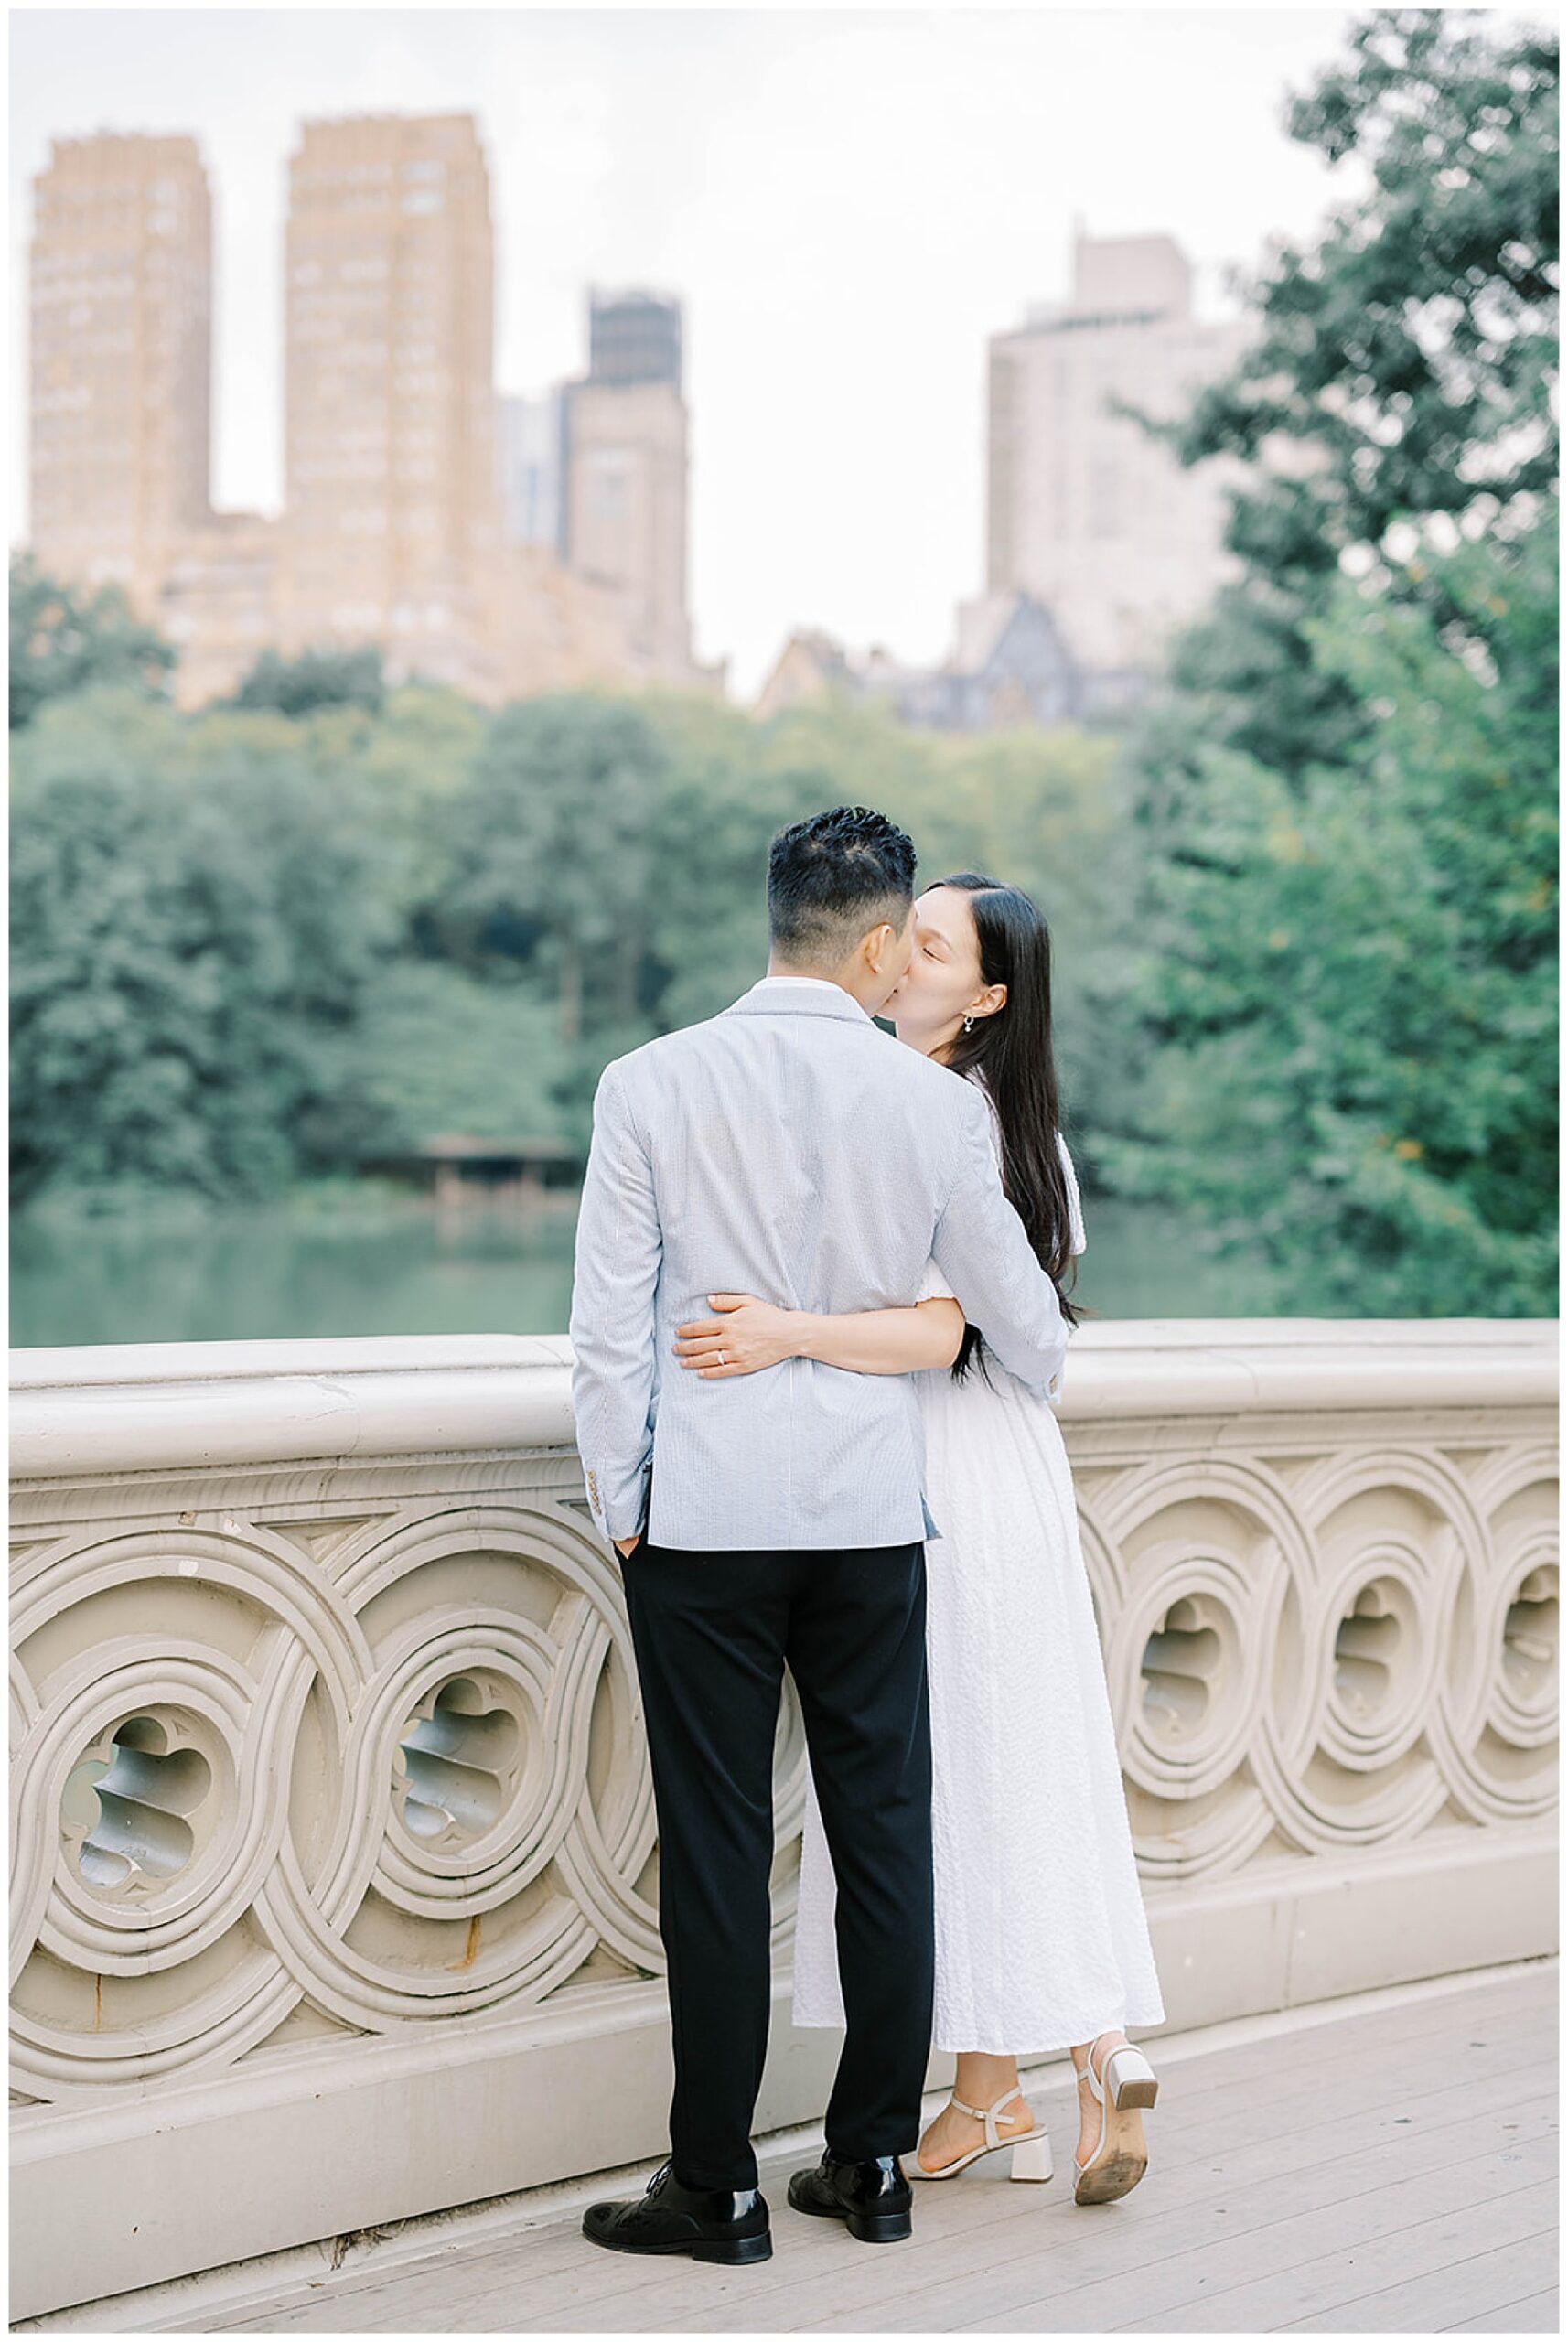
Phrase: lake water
[392,1265]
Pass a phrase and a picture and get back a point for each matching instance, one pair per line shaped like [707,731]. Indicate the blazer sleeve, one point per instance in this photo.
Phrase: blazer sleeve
[981,1247]
[615,1278]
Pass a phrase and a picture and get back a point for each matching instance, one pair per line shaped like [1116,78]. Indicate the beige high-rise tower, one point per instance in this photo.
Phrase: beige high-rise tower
[625,477]
[121,359]
[1086,511]
[392,513]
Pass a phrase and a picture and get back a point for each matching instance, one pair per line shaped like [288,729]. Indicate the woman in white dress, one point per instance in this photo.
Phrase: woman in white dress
[1041,1941]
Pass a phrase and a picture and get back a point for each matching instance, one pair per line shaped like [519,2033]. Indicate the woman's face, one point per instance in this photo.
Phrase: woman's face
[942,983]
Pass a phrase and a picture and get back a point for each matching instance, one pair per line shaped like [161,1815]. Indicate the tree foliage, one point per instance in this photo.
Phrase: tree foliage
[315,679]
[1346,954]
[1304,915]
[1355,991]
[440,1050]
[192,934]
[1402,364]
[248,944]
[551,851]
[64,640]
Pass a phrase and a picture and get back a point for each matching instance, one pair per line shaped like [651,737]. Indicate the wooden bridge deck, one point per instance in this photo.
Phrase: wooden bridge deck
[1389,2170]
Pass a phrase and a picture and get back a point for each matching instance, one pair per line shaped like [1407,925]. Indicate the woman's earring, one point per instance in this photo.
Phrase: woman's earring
[969,1024]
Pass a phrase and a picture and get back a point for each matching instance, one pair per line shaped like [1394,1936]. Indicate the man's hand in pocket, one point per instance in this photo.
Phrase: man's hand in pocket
[623,1545]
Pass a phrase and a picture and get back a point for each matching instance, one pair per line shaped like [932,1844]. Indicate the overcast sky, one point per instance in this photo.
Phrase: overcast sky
[848,202]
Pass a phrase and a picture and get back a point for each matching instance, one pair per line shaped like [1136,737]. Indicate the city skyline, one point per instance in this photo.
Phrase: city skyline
[837,475]
[394,529]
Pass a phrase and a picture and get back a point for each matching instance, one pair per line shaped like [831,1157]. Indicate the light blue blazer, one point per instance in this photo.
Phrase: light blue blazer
[792,1149]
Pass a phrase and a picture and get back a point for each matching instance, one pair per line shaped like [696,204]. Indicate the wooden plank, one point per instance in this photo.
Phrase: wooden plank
[1091,2288]
[1396,2070]
[1349,2273]
[1188,2082]
[1443,2019]
[1382,2097]
[1024,2227]
[1040,2251]
[562,2282]
[482,2282]
[572,2286]
[1476,2287]
[1182,2188]
[1324,2120]
[1539,2315]
[555,2269]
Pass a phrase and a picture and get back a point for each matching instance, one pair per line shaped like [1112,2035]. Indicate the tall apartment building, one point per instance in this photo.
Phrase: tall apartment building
[625,473]
[120,358]
[218,603]
[548,555]
[392,513]
[528,456]
[1085,511]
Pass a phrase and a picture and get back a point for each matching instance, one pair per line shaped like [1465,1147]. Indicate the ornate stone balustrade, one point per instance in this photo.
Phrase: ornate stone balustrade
[335,1870]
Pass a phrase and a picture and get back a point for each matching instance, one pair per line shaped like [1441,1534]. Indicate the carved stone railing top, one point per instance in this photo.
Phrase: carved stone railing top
[152,1405]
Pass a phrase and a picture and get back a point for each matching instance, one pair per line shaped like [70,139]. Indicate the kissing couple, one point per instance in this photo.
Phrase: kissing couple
[819,1318]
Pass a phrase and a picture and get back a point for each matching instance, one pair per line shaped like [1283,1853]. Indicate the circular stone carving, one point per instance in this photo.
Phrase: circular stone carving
[1382,1662]
[414,1786]
[1530,1646]
[461,1761]
[1184,1669]
[1512,1768]
[391,1765]
[1187,1729]
[123,1810]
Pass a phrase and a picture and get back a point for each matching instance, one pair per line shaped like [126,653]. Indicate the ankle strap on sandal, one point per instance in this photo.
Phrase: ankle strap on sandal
[1085,2071]
[988,2115]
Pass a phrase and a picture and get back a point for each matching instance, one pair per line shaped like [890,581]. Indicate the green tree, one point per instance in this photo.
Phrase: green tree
[1324,916]
[63,640]
[1359,1018]
[550,846]
[315,679]
[440,1050]
[1401,369]
[195,927]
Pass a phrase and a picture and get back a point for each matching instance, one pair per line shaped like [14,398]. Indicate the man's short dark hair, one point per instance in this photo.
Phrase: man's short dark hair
[832,878]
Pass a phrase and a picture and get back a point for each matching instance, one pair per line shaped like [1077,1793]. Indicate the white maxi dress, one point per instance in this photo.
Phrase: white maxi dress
[1041,1941]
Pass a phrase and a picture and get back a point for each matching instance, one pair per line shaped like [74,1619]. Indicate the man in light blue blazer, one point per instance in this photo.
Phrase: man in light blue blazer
[791,1149]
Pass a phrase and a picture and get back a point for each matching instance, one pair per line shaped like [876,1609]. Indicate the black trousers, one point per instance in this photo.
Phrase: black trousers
[712,1633]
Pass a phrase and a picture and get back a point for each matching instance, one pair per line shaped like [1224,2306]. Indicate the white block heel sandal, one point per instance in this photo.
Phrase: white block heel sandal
[1032,2158]
[1126,2084]
[1031,2149]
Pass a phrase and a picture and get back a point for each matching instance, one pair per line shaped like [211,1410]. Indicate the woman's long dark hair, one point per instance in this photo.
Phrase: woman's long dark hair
[1010,1055]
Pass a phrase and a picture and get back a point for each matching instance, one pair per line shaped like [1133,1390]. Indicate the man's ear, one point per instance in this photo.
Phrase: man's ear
[889,938]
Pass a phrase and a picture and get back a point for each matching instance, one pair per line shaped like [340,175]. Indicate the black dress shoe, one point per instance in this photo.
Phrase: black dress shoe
[872,2198]
[710,2223]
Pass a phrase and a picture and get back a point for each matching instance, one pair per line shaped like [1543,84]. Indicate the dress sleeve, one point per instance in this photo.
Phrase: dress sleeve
[934,1286]
[1076,1241]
